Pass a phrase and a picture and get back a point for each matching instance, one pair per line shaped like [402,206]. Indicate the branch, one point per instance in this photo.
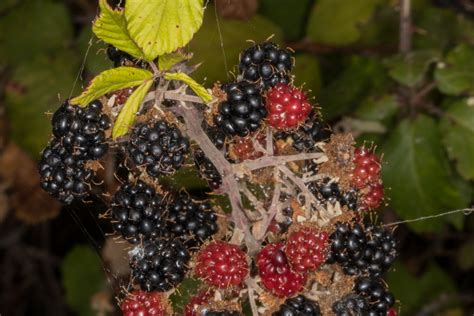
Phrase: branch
[405,26]
[272,161]
[274,206]
[309,196]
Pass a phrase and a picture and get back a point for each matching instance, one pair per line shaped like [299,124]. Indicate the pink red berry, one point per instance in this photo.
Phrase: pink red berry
[276,273]
[243,148]
[200,299]
[140,303]
[287,106]
[374,197]
[366,176]
[221,264]
[306,249]
[392,312]
[122,95]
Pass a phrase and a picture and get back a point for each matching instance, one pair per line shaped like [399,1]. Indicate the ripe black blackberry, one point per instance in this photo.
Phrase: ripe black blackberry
[160,265]
[329,191]
[243,111]
[351,305]
[121,58]
[206,169]
[158,146]
[362,251]
[376,293]
[138,212]
[298,306]
[266,64]
[62,174]
[216,136]
[82,129]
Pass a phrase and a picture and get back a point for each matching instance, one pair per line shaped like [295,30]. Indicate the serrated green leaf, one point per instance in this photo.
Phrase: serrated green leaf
[161,27]
[338,22]
[307,72]
[457,126]
[166,61]
[111,27]
[82,277]
[456,74]
[410,69]
[130,109]
[197,88]
[419,176]
[378,108]
[112,80]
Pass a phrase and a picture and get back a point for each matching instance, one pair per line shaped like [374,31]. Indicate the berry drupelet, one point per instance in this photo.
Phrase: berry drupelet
[161,265]
[298,306]
[266,64]
[242,112]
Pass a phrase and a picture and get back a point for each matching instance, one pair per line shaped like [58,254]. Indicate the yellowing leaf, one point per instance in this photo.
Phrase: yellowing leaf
[111,27]
[167,61]
[130,109]
[160,27]
[112,80]
[197,88]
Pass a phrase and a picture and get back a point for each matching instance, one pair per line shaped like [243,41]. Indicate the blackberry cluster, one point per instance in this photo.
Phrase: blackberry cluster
[63,175]
[266,64]
[243,111]
[160,265]
[138,212]
[207,170]
[159,146]
[192,222]
[220,313]
[330,191]
[298,306]
[362,251]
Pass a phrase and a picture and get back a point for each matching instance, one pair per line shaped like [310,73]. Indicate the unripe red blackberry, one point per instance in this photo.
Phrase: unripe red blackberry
[243,111]
[266,64]
[141,303]
[196,301]
[306,249]
[160,265]
[367,168]
[221,264]
[373,198]
[242,148]
[298,306]
[287,106]
[159,146]
[206,169]
[276,273]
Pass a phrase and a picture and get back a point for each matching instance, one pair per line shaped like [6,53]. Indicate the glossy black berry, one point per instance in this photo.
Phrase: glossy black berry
[216,135]
[374,290]
[298,306]
[121,58]
[242,112]
[138,212]
[328,191]
[206,169]
[160,265]
[159,147]
[266,64]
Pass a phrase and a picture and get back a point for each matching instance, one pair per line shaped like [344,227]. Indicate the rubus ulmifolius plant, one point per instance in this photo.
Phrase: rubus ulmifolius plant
[295,240]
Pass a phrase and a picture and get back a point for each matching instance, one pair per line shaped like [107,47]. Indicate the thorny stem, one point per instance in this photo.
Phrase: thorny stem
[405,26]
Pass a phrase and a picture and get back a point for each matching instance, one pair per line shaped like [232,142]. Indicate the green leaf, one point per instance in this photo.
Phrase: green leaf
[419,176]
[197,88]
[161,27]
[130,109]
[378,108]
[410,69]
[112,80]
[82,277]
[456,74]
[439,27]
[183,293]
[111,27]
[465,255]
[206,44]
[166,61]
[307,72]
[457,126]
[432,283]
[338,22]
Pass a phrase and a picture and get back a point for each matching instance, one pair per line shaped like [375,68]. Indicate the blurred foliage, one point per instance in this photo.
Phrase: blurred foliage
[347,54]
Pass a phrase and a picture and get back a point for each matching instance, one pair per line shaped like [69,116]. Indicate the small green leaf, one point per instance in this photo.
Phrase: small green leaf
[378,108]
[197,88]
[456,74]
[161,27]
[130,109]
[338,22]
[166,61]
[111,27]
[410,69]
[82,277]
[457,127]
[112,80]
[418,174]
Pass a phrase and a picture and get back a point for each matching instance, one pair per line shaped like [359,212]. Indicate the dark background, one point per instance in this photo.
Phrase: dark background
[416,103]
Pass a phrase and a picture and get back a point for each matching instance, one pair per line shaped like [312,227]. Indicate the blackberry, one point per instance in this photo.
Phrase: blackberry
[160,265]
[330,192]
[374,290]
[298,306]
[243,111]
[192,221]
[138,212]
[158,146]
[82,130]
[266,64]
[351,305]
[362,251]
[121,58]
[216,136]
[207,170]
[62,174]
[208,312]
